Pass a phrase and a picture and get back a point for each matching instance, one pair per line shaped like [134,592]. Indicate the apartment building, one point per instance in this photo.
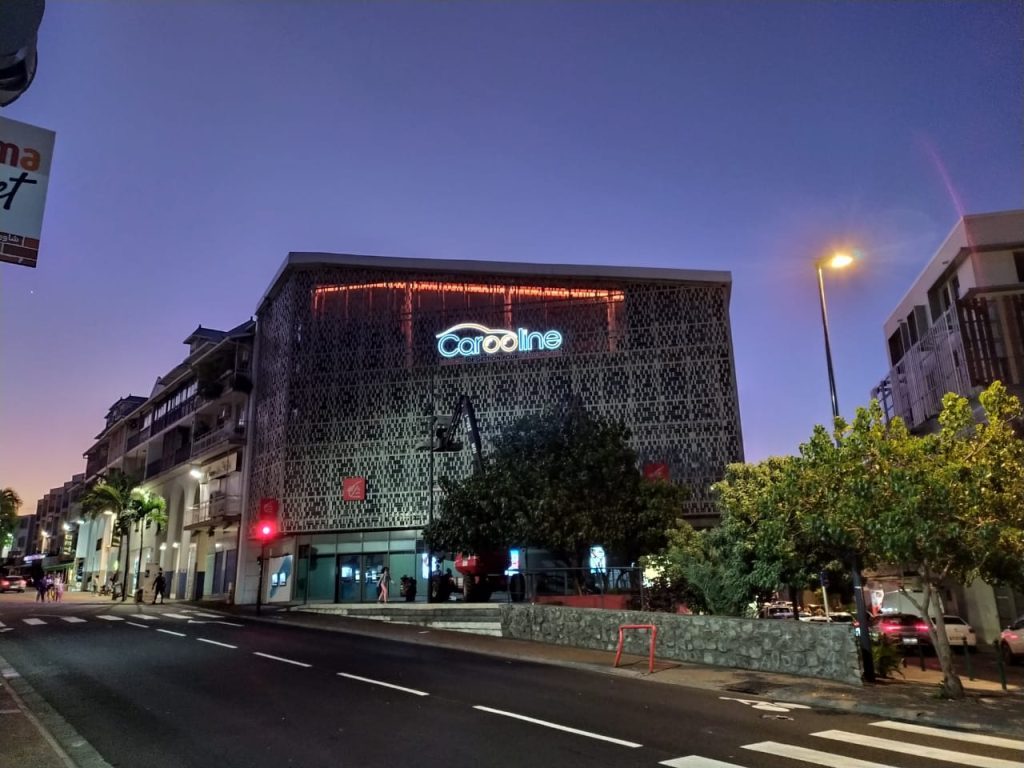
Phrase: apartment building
[184,442]
[56,530]
[958,328]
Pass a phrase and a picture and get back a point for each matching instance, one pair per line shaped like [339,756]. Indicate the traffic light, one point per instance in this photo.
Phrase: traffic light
[266,530]
[266,527]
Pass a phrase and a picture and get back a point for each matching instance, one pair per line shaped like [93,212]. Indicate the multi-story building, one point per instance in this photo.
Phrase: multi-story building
[56,529]
[183,442]
[356,355]
[959,328]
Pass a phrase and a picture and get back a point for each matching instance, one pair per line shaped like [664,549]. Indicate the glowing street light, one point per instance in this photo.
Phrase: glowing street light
[839,260]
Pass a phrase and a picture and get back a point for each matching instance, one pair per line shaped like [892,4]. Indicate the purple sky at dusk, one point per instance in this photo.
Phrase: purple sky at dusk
[198,143]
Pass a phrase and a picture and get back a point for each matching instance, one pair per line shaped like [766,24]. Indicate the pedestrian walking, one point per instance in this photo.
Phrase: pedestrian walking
[58,589]
[159,585]
[382,586]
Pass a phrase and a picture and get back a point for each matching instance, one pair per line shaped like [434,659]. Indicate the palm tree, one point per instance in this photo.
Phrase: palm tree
[112,492]
[146,507]
[10,502]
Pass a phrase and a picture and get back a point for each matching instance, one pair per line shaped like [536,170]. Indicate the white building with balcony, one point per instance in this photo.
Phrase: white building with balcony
[184,442]
[959,328]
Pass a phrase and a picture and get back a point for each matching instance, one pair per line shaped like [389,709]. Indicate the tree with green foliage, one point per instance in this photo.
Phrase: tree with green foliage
[561,483]
[946,505]
[119,493]
[10,503]
[758,545]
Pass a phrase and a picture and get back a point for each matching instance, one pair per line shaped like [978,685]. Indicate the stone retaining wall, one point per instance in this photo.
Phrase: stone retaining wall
[827,651]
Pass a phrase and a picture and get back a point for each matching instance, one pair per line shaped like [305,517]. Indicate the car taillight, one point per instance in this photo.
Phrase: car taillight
[922,627]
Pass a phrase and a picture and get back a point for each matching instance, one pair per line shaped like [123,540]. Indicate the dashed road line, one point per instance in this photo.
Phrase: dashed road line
[279,658]
[136,624]
[557,727]
[413,691]
[930,753]
[812,756]
[973,738]
[215,642]
[169,632]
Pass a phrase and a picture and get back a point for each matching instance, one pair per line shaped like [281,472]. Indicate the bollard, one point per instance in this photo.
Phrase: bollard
[967,660]
[999,664]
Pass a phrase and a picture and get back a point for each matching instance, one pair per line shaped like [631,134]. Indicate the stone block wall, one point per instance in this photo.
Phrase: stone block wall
[827,651]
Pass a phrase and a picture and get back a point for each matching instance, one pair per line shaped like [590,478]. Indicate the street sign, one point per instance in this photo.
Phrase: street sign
[25,155]
[353,489]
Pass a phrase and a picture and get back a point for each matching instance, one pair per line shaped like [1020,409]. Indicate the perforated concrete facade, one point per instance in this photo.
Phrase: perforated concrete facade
[348,368]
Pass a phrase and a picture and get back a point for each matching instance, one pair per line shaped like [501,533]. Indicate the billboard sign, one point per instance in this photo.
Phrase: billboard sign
[25,155]
[472,339]
[353,489]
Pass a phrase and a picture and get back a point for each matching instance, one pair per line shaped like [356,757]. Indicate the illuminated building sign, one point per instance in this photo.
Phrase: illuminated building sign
[472,339]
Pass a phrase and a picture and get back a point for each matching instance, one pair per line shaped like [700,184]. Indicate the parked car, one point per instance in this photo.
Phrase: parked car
[12,584]
[1011,642]
[904,629]
[959,631]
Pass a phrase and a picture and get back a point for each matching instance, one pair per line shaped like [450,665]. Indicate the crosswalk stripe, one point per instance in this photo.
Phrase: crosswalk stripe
[175,615]
[2,624]
[34,622]
[973,738]
[812,755]
[73,620]
[145,617]
[931,753]
[205,615]
[108,617]
[696,761]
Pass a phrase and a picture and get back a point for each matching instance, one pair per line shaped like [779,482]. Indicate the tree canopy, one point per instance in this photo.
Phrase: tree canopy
[10,503]
[947,505]
[562,483]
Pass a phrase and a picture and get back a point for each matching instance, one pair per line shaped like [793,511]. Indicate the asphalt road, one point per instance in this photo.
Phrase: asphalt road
[167,686]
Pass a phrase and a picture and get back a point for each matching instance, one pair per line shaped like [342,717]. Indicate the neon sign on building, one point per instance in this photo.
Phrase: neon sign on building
[472,339]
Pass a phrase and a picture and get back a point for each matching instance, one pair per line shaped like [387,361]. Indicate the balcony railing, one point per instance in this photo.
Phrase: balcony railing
[174,415]
[165,463]
[971,345]
[226,433]
[138,437]
[218,507]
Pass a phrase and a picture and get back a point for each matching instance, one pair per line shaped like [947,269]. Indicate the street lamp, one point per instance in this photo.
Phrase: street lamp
[841,260]
[835,261]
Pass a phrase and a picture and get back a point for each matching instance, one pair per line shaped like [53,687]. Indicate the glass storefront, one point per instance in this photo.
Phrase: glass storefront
[346,567]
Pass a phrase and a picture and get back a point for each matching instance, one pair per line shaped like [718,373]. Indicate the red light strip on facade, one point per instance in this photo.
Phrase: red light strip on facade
[322,291]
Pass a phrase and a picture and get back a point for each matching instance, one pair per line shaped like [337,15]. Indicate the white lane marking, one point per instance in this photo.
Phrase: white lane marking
[108,617]
[214,642]
[174,615]
[2,624]
[811,755]
[73,620]
[10,711]
[973,738]
[34,622]
[6,629]
[413,691]
[146,617]
[567,729]
[168,632]
[206,615]
[767,706]
[136,624]
[931,753]
[696,761]
[278,658]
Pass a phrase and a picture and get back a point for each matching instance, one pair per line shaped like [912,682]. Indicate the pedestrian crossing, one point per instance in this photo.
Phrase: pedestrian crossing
[50,620]
[893,745]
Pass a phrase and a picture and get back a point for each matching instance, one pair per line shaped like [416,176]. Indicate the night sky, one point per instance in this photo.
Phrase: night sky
[199,143]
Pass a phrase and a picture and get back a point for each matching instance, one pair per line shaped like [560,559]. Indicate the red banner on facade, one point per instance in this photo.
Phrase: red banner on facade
[656,470]
[353,489]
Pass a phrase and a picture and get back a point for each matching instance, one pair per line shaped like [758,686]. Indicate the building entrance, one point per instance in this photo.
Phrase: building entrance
[358,574]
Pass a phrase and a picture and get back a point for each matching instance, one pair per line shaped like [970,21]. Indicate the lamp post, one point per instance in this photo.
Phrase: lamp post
[841,261]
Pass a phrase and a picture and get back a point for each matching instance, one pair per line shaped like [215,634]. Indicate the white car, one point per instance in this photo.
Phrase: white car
[958,632]
[1011,642]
